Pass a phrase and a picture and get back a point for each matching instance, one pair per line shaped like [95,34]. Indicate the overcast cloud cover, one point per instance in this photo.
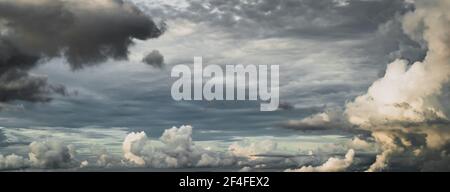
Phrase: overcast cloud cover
[85,85]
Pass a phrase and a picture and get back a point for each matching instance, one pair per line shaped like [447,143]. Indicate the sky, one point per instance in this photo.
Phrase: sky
[86,85]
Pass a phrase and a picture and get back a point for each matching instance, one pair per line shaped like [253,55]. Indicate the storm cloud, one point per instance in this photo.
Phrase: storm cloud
[84,32]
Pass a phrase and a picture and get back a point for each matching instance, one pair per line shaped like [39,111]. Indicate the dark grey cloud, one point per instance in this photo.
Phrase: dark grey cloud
[155,59]
[84,32]
[18,85]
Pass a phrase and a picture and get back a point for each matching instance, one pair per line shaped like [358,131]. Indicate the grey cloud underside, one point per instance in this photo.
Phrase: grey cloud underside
[82,31]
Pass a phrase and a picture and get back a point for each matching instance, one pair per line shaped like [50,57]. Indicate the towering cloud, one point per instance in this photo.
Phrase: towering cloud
[405,93]
[403,109]
[84,32]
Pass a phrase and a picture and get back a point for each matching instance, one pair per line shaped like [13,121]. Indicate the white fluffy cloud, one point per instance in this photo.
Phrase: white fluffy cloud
[404,94]
[12,162]
[361,144]
[132,143]
[332,165]
[42,155]
[332,118]
[174,149]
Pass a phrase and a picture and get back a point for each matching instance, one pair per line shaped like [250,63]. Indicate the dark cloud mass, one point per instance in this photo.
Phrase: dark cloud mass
[84,32]
[155,59]
[17,84]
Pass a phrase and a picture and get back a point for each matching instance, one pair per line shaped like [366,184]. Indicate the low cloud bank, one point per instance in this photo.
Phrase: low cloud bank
[42,155]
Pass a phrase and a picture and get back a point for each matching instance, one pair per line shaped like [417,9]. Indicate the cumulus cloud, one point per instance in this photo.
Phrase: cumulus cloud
[42,155]
[174,149]
[403,94]
[403,110]
[51,154]
[333,164]
[84,32]
[155,59]
[131,142]
[12,162]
